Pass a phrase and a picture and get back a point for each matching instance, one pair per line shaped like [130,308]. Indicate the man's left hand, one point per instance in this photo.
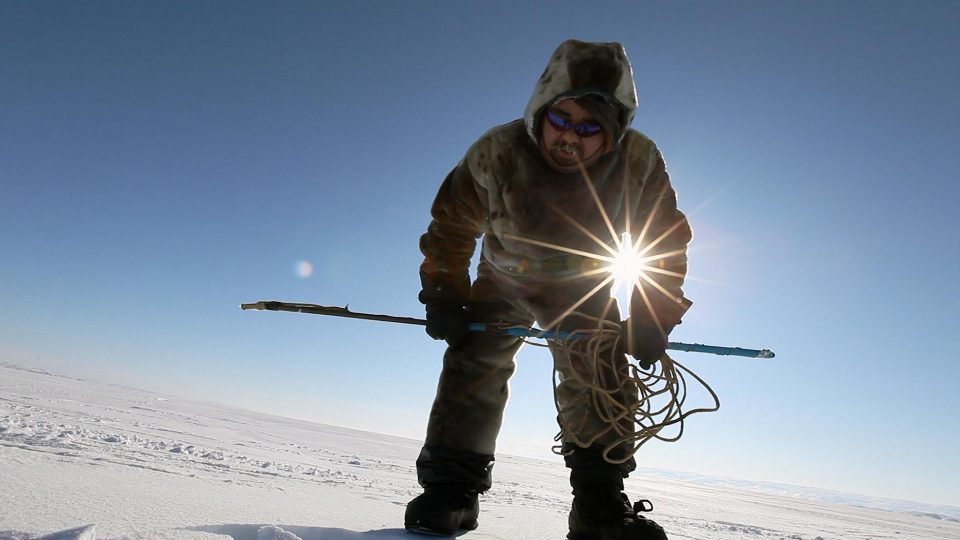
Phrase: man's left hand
[645,342]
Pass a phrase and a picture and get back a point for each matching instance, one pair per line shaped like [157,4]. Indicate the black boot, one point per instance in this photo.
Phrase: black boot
[452,480]
[442,509]
[600,510]
[609,516]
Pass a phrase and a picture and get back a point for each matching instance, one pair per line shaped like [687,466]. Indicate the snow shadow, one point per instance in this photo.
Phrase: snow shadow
[294,532]
[87,532]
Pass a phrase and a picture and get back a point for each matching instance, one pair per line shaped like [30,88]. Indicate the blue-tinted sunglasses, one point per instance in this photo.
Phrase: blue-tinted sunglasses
[582,130]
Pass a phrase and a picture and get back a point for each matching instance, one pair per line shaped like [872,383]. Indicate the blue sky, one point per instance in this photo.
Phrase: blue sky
[162,162]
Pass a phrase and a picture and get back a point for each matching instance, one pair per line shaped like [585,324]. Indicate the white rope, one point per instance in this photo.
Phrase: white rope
[633,405]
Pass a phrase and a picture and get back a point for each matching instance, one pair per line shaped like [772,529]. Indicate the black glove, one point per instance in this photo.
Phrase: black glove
[645,342]
[448,321]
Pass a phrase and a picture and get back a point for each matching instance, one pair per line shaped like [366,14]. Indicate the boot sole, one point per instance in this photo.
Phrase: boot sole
[426,531]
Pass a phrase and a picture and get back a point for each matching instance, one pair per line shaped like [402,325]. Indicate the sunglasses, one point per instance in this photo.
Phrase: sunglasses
[586,129]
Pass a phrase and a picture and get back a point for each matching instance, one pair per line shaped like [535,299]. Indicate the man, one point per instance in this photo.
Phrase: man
[540,192]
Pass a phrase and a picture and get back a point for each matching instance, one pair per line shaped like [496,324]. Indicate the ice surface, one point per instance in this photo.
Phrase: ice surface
[140,465]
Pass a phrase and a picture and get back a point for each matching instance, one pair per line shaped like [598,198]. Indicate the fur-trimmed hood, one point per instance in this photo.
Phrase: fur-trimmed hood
[579,68]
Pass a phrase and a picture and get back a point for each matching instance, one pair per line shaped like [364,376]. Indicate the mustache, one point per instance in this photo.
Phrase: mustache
[569,148]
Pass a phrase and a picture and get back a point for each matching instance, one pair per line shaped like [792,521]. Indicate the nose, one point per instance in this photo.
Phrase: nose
[569,136]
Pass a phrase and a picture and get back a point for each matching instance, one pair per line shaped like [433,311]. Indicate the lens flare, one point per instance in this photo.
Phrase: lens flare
[303,269]
[627,267]
[631,265]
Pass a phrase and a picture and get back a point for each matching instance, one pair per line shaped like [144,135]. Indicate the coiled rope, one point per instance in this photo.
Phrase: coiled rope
[634,405]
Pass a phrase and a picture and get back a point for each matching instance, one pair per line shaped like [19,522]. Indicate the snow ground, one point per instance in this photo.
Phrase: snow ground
[86,460]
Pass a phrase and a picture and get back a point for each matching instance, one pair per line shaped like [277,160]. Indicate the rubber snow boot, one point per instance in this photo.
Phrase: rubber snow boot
[442,510]
[601,511]
[611,518]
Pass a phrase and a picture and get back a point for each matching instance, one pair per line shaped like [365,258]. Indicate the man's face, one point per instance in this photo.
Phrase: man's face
[570,135]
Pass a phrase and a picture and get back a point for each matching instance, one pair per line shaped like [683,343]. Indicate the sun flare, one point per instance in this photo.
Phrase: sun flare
[626,264]
[626,267]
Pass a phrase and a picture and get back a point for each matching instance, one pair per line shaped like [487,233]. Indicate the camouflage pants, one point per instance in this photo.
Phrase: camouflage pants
[474,383]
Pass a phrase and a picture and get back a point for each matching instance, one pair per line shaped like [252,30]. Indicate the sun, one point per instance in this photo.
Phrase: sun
[627,267]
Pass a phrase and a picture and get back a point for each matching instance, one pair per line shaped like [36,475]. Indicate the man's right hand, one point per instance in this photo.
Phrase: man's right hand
[448,321]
